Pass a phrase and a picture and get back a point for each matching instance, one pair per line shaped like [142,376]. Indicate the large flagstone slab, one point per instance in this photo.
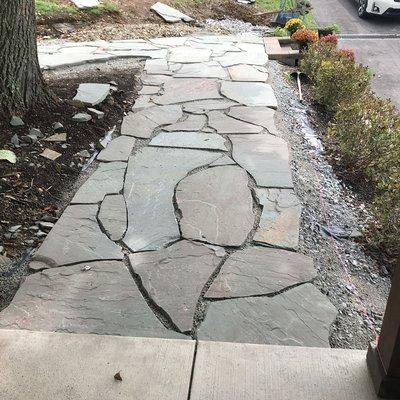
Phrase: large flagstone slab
[260,270]
[142,123]
[280,219]
[244,57]
[107,179]
[202,70]
[250,93]
[150,181]
[225,124]
[181,90]
[298,317]
[262,116]
[119,149]
[76,237]
[157,67]
[216,206]
[112,216]
[189,140]
[202,106]
[188,54]
[265,158]
[191,123]
[99,297]
[169,14]
[247,73]
[174,278]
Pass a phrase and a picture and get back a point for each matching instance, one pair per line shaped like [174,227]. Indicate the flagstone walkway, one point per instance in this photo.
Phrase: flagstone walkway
[189,226]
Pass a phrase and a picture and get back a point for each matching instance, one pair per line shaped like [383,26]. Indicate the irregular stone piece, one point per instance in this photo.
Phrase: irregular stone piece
[57,137]
[16,121]
[92,93]
[119,149]
[50,154]
[247,73]
[157,67]
[225,160]
[86,3]
[98,297]
[112,216]
[263,116]
[107,179]
[191,123]
[181,90]
[298,317]
[76,237]
[265,157]
[149,190]
[169,14]
[170,41]
[201,70]
[202,106]
[187,54]
[224,124]
[174,278]
[144,101]
[216,206]
[250,93]
[143,123]
[189,140]
[146,90]
[96,113]
[82,117]
[280,219]
[260,271]
[251,58]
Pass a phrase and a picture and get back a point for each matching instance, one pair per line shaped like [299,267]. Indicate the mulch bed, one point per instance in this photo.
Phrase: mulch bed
[36,186]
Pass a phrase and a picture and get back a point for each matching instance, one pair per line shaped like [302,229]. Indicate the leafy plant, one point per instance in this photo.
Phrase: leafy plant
[305,35]
[293,25]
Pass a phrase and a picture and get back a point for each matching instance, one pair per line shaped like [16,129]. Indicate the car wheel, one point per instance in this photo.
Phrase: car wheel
[362,8]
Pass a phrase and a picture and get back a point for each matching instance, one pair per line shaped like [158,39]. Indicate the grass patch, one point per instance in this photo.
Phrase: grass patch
[188,2]
[274,5]
[309,21]
[53,7]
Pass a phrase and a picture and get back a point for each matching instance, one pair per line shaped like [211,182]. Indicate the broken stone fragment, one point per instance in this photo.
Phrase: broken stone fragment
[50,154]
[92,93]
[96,113]
[119,149]
[113,217]
[82,4]
[81,117]
[58,126]
[57,137]
[169,14]
[16,121]
[37,132]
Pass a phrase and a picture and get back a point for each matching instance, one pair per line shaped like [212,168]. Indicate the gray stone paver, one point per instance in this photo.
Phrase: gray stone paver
[205,120]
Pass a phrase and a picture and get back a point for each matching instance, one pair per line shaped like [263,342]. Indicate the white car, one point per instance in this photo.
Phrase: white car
[378,7]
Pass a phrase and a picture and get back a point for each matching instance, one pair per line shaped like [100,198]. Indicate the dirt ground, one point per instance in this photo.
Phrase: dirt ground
[136,20]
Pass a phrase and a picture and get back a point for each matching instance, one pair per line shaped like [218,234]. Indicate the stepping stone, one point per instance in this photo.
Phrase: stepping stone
[170,41]
[181,90]
[107,179]
[262,116]
[112,216]
[280,219]
[119,149]
[191,123]
[265,158]
[92,93]
[142,102]
[76,237]
[155,80]
[250,93]
[186,54]
[251,58]
[174,278]
[202,106]
[225,160]
[247,73]
[99,298]
[258,270]
[298,317]
[201,70]
[189,140]
[157,67]
[153,54]
[224,124]
[143,123]
[82,4]
[149,189]
[216,206]
[146,90]
[169,14]
[130,45]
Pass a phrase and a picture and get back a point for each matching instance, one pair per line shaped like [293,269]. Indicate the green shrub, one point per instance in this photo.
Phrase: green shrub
[336,78]
[367,133]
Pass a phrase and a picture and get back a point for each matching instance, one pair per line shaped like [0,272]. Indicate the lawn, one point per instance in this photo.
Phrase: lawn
[52,7]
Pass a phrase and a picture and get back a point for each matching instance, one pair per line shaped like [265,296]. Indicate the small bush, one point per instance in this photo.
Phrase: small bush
[367,133]
[293,25]
[336,78]
[330,39]
[305,35]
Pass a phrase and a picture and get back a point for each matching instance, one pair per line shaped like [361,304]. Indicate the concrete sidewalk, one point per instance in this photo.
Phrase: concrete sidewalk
[54,366]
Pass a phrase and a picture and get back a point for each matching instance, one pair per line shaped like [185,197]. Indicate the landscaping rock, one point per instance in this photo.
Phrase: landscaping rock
[58,137]
[119,149]
[76,237]
[250,93]
[169,14]
[36,132]
[58,126]
[298,317]
[92,93]
[86,3]
[216,206]
[16,121]
[260,270]
[174,278]
[82,117]
[50,154]
[96,113]
[113,217]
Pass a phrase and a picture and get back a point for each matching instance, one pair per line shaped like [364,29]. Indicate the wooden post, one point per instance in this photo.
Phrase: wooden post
[383,359]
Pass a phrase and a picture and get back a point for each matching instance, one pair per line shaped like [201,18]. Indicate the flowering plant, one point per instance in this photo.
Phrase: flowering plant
[293,25]
[330,39]
[348,53]
[305,36]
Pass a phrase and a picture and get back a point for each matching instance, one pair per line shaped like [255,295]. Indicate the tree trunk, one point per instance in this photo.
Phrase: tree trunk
[22,86]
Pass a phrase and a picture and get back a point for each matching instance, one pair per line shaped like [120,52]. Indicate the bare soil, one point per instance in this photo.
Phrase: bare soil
[136,20]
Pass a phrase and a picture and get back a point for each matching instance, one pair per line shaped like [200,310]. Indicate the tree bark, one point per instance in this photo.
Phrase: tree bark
[22,86]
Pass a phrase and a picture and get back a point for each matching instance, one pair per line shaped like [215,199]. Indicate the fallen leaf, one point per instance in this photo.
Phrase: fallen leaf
[8,155]
[118,376]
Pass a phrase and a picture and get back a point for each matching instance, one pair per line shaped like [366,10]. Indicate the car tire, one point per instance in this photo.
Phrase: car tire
[362,8]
